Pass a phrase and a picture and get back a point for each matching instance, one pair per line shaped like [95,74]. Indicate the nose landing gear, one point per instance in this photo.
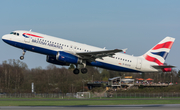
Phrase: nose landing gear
[22,57]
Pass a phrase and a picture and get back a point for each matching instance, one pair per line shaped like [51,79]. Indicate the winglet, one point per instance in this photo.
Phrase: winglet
[124,50]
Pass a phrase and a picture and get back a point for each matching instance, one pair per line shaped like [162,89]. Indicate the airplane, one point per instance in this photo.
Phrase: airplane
[65,52]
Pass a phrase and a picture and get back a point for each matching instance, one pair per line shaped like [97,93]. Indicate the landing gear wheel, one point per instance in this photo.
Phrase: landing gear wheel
[76,71]
[84,70]
[21,57]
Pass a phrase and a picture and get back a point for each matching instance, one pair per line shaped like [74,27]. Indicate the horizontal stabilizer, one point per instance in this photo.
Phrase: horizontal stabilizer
[162,67]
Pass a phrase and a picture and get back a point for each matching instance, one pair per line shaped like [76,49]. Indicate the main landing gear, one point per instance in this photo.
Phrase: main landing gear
[83,70]
[22,57]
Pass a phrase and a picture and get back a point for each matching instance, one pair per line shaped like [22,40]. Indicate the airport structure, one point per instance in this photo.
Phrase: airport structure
[117,83]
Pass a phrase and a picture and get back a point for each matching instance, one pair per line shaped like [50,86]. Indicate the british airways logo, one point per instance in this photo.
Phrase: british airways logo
[26,35]
[57,45]
[160,51]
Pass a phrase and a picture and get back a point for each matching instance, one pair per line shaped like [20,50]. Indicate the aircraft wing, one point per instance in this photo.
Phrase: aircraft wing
[162,67]
[99,54]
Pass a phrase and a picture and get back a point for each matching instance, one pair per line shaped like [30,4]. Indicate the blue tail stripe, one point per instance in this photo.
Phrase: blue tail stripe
[162,54]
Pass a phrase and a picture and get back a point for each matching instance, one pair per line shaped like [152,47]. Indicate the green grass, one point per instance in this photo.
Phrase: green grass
[86,102]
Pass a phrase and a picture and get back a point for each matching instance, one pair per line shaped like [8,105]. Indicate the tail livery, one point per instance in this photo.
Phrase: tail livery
[159,52]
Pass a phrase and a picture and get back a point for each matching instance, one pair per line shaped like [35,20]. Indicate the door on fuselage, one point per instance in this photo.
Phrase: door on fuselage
[139,63]
[27,40]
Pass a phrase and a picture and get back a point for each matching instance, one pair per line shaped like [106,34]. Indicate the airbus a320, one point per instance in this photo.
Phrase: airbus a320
[64,52]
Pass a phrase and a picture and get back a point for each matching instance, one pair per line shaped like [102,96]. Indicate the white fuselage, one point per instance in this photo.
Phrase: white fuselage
[49,45]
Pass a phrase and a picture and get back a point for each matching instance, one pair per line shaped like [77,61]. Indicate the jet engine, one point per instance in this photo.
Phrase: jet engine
[67,57]
[53,60]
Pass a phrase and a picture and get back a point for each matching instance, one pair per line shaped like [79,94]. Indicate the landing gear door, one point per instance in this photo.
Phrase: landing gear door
[139,63]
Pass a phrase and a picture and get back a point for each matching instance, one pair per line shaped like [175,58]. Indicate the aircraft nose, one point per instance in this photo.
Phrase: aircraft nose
[4,37]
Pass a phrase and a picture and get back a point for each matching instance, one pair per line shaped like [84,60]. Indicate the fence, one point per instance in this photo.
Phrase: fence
[92,95]
[144,95]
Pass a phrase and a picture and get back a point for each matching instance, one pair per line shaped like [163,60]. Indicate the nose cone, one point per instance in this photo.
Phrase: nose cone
[5,37]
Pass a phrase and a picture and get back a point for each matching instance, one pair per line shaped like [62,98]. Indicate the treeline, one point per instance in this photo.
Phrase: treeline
[16,77]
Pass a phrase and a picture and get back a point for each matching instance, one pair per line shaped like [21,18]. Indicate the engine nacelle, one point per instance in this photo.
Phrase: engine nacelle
[167,69]
[53,60]
[67,57]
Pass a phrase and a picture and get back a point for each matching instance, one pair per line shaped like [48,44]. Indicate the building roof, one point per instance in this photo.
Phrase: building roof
[140,79]
[115,78]
[149,79]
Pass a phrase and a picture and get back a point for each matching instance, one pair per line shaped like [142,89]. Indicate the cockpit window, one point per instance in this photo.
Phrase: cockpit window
[15,33]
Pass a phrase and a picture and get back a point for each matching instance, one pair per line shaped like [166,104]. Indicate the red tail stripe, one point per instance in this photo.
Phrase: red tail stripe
[152,59]
[167,69]
[33,35]
[164,45]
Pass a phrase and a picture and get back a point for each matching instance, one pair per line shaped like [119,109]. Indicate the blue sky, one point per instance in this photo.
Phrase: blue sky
[134,24]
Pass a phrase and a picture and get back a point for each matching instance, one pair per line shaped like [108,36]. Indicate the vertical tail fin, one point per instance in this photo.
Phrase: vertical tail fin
[160,51]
